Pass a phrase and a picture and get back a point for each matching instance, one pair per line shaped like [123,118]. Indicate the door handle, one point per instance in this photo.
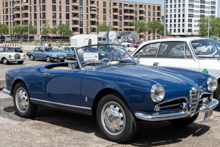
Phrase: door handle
[46,75]
[155,63]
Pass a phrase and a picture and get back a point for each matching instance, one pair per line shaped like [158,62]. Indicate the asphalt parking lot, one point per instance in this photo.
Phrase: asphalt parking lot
[53,127]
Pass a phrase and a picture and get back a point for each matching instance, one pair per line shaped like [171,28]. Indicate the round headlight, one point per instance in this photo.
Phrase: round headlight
[157,93]
[212,84]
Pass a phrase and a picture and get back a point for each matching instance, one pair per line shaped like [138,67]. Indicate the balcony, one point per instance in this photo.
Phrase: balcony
[25,11]
[25,4]
[92,3]
[17,19]
[75,4]
[75,25]
[17,4]
[142,8]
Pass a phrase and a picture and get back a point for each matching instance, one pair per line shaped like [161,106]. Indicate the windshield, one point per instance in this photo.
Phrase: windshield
[18,50]
[206,48]
[49,49]
[9,50]
[104,55]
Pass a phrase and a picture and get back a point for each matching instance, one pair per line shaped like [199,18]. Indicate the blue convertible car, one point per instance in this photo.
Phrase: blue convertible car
[117,91]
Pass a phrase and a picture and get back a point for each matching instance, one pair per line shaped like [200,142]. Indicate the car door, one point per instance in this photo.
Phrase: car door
[36,53]
[147,54]
[176,54]
[42,54]
[63,86]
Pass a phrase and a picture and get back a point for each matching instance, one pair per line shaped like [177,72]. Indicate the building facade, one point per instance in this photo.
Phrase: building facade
[182,16]
[78,14]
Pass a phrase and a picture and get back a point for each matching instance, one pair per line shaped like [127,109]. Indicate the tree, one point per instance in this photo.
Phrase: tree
[88,28]
[140,26]
[54,30]
[155,27]
[19,30]
[203,26]
[64,30]
[4,29]
[104,27]
[46,29]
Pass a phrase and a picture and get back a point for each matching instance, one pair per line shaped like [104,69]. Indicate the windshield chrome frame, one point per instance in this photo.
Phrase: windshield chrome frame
[78,59]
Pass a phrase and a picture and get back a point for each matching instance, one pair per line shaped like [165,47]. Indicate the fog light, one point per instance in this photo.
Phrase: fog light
[206,102]
[157,108]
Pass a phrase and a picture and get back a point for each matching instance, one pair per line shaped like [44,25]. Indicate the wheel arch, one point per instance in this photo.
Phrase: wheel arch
[15,82]
[103,93]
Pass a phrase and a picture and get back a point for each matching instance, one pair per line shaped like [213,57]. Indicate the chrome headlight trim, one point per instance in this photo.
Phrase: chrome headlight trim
[157,93]
[212,84]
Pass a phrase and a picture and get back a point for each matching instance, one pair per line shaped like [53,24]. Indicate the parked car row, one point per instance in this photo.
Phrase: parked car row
[108,83]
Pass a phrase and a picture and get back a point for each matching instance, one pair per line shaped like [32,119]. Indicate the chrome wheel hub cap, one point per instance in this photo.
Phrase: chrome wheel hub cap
[113,118]
[48,59]
[22,101]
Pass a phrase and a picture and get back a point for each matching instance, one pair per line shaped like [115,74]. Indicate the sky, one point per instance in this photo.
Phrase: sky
[162,2]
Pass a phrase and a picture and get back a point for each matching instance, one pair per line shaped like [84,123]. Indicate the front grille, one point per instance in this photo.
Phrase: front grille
[193,101]
[17,56]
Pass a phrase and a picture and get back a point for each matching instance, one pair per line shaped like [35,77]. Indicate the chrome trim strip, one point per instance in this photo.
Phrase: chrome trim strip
[161,117]
[6,91]
[74,106]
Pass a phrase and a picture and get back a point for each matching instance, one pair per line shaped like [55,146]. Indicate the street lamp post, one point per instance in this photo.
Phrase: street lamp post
[40,26]
[209,19]
[164,21]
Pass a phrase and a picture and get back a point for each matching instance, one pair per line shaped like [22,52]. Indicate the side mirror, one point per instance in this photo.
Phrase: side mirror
[72,66]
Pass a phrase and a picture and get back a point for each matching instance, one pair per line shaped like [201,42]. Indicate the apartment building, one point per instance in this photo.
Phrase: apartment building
[78,14]
[182,16]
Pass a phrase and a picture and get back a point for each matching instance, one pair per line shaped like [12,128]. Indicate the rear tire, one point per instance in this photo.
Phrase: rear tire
[115,119]
[48,59]
[20,62]
[184,121]
[62,60]
[22,103]
[31,57]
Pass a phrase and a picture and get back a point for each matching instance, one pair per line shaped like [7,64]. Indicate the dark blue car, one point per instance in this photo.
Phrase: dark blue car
[117,91]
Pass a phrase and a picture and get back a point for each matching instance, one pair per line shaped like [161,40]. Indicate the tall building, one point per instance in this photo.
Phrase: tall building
[78,14]
[182,16]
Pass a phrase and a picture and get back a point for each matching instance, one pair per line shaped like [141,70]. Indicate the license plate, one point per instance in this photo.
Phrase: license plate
[208,114]
[60,57]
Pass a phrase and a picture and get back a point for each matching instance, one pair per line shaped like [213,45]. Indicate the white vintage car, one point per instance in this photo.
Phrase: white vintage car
[10,54]
[190,53]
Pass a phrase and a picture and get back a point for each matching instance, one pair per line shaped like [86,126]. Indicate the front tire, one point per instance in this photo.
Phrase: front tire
[62,60]
[217,94]
[48,59]
[184,121]
[22,103]
[4,61]
[115,119]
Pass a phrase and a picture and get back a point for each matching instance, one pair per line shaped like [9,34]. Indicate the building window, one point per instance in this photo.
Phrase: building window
[54,15]
[81,2]
[44,15]
[67,16]
[81,23]
[81,31]
[104,17]
[35,1]
[97,3]
[67,2]
[60,15]
[60,2]
[43,1]
[104,4]
[53,7]
[35,9]
[81,9]
[54,1]
[60,8]
[43,8]
[54,23]
[120,5]
[67,9]
[104,11]
[35,15]
[81,16]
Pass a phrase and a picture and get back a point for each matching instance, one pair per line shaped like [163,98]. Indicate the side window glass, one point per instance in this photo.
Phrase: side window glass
[148,51]
[1,49]
[172,50]
[187,51]
[36,50]
[67,48]
[40,49]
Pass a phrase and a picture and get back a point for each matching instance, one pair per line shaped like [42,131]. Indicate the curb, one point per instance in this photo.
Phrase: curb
[2,83]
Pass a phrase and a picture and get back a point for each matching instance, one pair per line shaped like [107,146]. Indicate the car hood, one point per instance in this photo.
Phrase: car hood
[163,77]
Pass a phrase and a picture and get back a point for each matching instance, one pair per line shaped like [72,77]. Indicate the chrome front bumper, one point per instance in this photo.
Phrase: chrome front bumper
[15,60]
[6,91]
[162,117]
